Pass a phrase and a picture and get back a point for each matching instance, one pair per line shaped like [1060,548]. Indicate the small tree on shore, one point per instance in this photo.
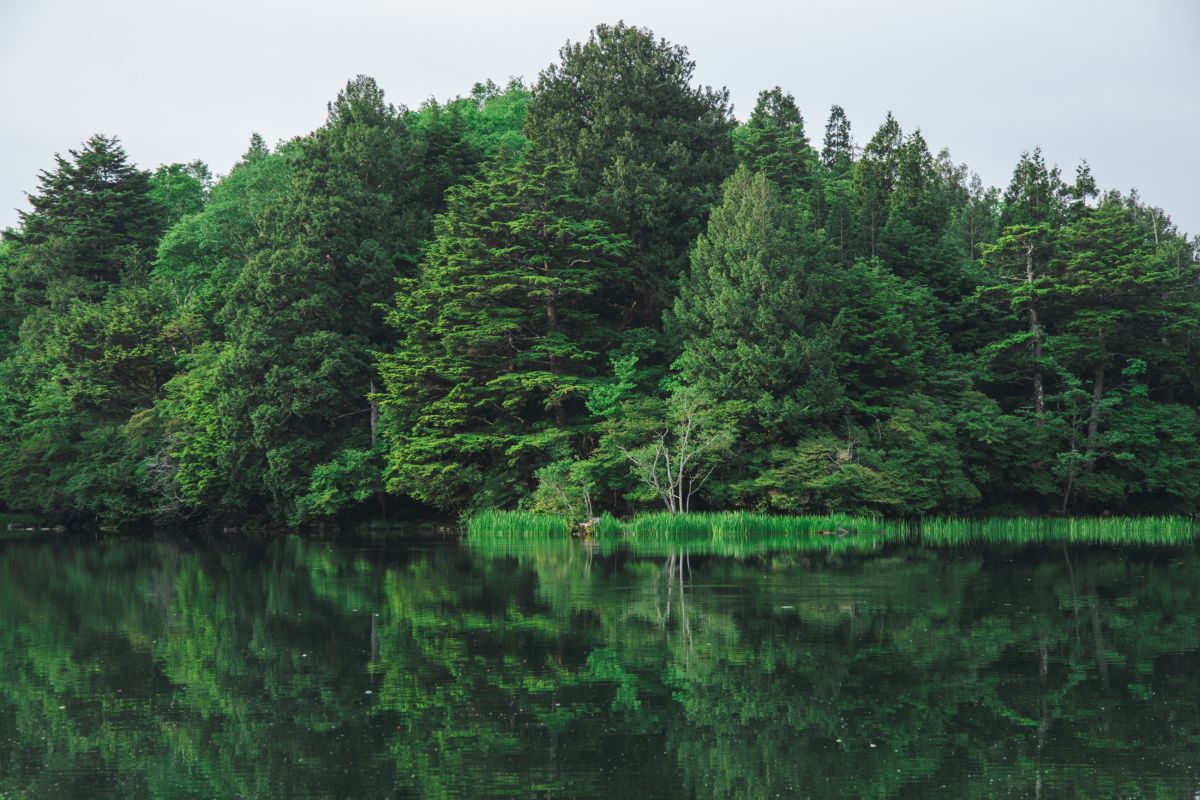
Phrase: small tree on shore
[680,457]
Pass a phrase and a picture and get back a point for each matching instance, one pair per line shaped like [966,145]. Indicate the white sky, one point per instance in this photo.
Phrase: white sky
[1114,81]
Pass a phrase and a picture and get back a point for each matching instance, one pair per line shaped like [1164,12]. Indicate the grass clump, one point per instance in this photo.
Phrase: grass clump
[739,533]
[517,524]
[1116,531]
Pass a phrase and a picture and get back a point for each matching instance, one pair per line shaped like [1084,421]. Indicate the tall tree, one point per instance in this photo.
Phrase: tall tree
[753,312]
[88,358]
[773,142]
[875,175]
[1112,312]
[93,217]
[915,241]
[1036,194]
[837,150]
[835,209]
[301,318]
[502,335]
[649,149]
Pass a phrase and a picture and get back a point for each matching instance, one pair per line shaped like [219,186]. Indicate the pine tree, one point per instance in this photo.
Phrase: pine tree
[82,374]
[301,318]
[93,217]
[502,337]
[649,150]
[837,151]
[753,313]
[835,206]
[875,175]
[914,242]
[773,142]
[1035,195]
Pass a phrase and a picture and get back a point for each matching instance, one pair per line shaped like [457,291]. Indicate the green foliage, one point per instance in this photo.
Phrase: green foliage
[649,150]
[753,316]
[517,523]
[94,220]
[538,297]
[772,142]
[180,189]
[502,332]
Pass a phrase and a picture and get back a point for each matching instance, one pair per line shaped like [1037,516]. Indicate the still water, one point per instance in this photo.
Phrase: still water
[430,667]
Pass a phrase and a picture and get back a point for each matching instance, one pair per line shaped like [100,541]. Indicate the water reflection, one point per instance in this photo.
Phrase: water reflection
[302,668]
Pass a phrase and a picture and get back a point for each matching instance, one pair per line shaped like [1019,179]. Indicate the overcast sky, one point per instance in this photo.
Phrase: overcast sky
[1115,82]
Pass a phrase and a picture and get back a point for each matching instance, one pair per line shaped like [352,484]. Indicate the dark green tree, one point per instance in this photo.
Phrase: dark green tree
[753,314]
[93,218]
[83,370]
[835,209]
[874,178]
[300,317]
[502,335]
[648,148]
[773,142]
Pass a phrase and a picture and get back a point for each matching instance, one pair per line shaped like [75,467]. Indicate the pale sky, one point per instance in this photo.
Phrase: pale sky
[1115,82]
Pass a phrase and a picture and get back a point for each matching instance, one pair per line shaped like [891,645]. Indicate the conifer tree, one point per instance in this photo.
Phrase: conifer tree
[502,336]
[837,150]
[773,142]
[93,217]
[753,312]
[875,175]
[301,318]
[648,148]
[835,209]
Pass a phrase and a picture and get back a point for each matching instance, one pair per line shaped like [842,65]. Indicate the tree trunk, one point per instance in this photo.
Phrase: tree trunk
[1039,392]
[374,414]
[1094,419]
[560,417]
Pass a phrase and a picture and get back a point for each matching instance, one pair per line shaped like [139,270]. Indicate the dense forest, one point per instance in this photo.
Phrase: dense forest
[598,292]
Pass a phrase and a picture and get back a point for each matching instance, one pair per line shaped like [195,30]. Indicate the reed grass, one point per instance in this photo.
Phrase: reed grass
[517,524]
[729,533]
[744,523]
[738,533]
[1116,531]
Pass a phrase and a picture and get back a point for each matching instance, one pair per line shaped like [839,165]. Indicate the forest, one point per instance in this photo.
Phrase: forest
[596,292]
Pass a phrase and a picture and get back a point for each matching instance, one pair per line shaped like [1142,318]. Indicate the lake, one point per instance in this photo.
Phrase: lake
[414,665]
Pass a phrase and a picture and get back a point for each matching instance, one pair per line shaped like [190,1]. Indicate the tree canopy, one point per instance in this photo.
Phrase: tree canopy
[522,296]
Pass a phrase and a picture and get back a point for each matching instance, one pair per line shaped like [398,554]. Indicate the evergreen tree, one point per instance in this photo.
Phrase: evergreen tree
[93,218]
[1110,315]
[773,142]
[915,241]
[649,150]
[875,175]
[300,317]
[753,313]
[835,209]
[88,358]
[502,334]
[837,151]
[1035,195]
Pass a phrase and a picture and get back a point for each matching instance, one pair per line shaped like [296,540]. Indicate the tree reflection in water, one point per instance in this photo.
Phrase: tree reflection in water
[386,667]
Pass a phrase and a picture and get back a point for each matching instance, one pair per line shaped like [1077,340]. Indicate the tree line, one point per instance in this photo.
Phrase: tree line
[599,291]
